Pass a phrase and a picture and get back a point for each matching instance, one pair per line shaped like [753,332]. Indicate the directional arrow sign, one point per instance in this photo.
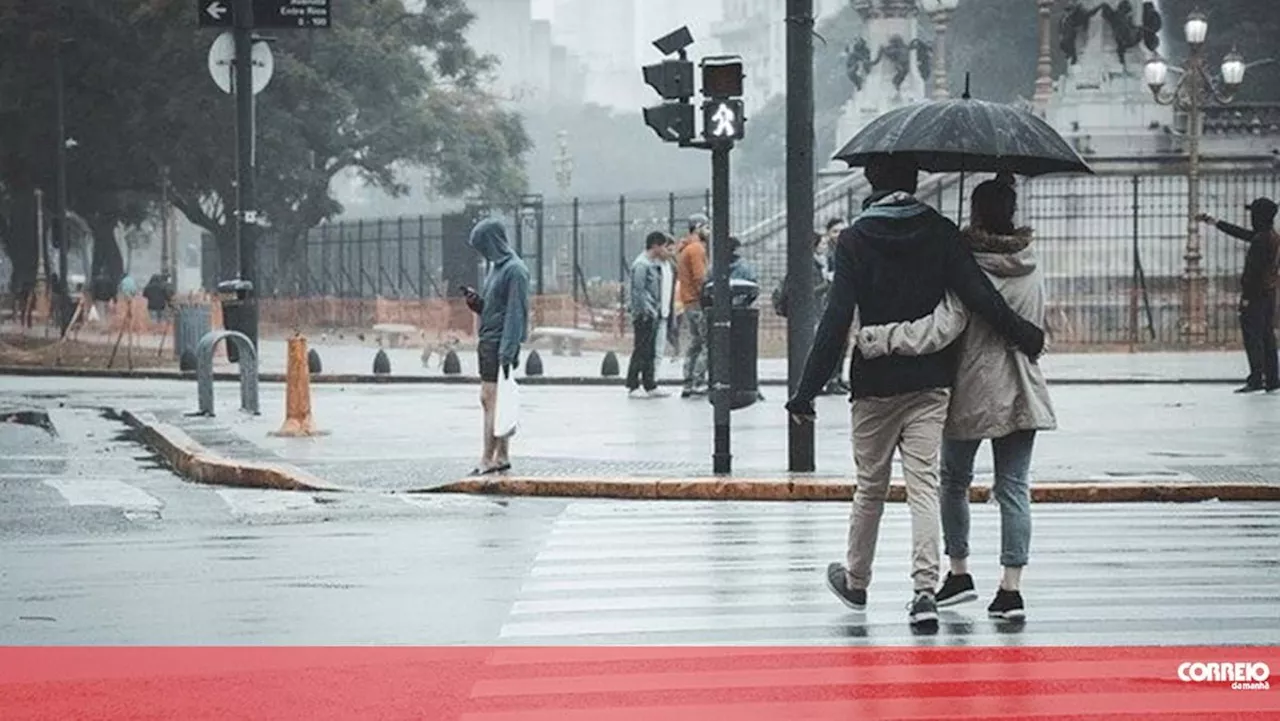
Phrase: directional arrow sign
[273,14]
[214,13]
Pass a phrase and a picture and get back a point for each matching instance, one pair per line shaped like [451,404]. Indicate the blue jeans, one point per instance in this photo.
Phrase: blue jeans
[1012,491]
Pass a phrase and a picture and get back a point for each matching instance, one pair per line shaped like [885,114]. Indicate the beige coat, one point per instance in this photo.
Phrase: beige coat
[998,390]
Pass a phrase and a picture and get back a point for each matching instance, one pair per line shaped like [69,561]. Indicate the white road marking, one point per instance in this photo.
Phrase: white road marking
[110,493]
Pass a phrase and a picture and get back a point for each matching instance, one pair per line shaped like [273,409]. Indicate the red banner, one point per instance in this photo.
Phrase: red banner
[637,683]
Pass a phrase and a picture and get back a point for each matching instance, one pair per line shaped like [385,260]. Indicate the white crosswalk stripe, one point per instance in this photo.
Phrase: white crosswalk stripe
[691,573]
[107,492]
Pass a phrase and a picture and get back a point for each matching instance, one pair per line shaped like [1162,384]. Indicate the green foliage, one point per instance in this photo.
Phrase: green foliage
[382,94]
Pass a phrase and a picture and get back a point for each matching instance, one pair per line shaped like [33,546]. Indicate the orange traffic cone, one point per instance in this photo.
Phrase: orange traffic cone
[297,394]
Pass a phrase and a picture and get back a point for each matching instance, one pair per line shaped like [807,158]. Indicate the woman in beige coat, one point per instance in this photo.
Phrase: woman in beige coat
[999,395]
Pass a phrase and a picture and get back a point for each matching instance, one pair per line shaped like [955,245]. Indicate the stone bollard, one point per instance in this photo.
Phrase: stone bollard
[533,364]
[381,363]
[313,362]
[452,366]
[297,393]
[187,363]
[609,367]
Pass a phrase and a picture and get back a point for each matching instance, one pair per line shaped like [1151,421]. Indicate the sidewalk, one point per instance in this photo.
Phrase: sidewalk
[348,357]
[417,438]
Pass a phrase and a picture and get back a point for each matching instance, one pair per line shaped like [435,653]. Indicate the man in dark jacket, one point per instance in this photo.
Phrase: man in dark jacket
[503,307]
[1257,293]
[895,263]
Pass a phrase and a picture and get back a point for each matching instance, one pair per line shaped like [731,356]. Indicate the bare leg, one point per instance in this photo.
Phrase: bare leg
[501,452]
[488,398]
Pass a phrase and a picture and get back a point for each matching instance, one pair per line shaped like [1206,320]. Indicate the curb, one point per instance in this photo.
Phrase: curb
[196,463]
[584,381]
[710,489]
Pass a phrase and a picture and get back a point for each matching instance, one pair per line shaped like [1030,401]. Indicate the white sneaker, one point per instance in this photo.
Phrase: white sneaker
[658,393]
[637,393]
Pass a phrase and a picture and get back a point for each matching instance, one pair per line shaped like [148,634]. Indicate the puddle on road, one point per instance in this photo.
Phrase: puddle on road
[35,419]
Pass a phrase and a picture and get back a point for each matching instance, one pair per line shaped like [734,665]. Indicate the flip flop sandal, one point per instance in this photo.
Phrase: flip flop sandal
[498,469]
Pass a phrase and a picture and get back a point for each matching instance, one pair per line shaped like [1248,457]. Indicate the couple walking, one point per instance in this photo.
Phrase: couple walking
[950,327]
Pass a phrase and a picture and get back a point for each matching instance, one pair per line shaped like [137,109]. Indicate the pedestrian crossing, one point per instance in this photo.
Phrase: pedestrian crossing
[676,573]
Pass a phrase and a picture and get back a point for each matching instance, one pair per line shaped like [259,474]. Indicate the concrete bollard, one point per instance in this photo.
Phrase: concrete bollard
[452,366]
[297,393]
[313,362]
[533,364]
[381,363]
[609,367]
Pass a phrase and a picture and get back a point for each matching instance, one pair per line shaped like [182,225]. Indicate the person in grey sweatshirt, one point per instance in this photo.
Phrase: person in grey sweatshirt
[503,307]
[646,311]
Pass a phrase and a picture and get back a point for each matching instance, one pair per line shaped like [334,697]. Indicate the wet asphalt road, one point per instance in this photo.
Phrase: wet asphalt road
[99,545]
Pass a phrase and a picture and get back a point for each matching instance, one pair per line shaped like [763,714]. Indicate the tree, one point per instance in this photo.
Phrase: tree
[382,93]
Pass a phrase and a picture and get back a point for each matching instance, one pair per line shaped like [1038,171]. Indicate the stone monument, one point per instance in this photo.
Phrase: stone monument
[1101,103]
[889,66]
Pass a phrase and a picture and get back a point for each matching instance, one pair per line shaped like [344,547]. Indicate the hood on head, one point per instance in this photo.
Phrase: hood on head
[489,239]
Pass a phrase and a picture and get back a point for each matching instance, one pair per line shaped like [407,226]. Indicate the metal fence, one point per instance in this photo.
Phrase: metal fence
[1111,248]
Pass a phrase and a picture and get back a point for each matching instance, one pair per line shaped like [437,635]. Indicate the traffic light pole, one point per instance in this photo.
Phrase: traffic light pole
[246,218]
[802,310]
[721,313]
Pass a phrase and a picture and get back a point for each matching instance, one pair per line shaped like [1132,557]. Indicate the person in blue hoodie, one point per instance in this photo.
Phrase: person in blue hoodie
[503,307]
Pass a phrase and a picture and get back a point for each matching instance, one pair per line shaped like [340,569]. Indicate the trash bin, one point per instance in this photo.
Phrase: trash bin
[239,312]
[744,340]
[190,324]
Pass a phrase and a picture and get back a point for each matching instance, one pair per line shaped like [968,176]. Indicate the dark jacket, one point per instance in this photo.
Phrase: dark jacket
[157,293]
[504,314]
[1259,278]
[895,263]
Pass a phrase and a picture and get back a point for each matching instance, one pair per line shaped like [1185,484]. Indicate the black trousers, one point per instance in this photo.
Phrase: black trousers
[643,356]
[1257,326]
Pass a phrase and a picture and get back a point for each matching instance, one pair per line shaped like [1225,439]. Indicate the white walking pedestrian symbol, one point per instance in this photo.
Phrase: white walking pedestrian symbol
[723,119]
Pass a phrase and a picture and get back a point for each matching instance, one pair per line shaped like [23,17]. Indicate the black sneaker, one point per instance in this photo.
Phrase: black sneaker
[838,582]
[956,589]
[1007,605]
[1249,388]
[923,609]
[1273,387]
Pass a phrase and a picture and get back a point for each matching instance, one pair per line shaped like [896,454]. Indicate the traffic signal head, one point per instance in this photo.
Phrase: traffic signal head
[722,120]
[673,122]
[673,79]
[722,77]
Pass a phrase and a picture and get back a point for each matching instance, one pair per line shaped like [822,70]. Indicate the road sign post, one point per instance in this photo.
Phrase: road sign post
[246,202]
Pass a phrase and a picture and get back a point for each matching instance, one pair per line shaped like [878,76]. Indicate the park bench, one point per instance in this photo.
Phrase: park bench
[391,335]
[561,337]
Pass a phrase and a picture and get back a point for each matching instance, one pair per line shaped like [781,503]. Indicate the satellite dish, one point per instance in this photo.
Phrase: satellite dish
[222,65]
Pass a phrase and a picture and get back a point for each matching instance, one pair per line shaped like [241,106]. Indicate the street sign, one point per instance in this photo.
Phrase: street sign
[222,63]
[722,120]
[269,14]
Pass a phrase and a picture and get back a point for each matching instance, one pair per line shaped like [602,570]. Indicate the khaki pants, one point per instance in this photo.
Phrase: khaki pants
[912,424]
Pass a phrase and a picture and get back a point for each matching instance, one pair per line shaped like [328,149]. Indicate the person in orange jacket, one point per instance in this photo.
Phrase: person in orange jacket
[691,274]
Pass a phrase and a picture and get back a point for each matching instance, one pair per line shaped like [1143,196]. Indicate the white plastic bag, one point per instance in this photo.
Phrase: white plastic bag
[507,413]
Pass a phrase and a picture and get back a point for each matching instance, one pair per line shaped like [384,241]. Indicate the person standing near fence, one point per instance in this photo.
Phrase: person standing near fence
[646,313]
[667,330]
[691,274]
[1257,293]
[503,307]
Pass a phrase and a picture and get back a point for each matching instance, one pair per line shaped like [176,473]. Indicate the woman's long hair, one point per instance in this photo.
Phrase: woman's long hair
[992,207]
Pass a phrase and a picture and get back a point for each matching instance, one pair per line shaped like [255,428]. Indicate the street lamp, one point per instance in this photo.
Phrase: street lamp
[1195,88]
[940,11]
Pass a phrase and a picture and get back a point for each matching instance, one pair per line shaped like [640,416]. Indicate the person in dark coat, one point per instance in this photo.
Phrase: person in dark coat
[159,295]
[1257,293]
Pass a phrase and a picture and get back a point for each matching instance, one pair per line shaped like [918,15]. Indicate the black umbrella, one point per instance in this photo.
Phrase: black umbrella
[966,135]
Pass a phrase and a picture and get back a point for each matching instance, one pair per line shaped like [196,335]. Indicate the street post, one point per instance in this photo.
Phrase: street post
[246,215]
[800,171]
